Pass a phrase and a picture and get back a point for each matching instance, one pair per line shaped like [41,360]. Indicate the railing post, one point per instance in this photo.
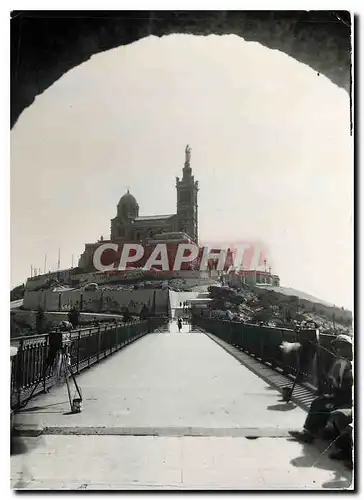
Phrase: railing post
[19,367]
[320,385]
[283,356]
[263,334]
[98,343]
[108,331]
[78,351]
[89,336]
[117,336]
[13,353]
[44,367]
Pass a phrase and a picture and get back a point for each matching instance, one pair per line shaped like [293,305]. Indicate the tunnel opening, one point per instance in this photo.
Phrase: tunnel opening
[136,103]
[45,45]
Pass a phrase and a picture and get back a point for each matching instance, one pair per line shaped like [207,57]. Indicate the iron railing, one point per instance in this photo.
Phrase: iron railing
[263,342]
[88,346]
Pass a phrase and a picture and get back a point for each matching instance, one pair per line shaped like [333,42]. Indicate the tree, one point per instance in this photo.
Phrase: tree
[144,313]
[17,293]
[126,315]
[74,317]
[265,315]
[40,320]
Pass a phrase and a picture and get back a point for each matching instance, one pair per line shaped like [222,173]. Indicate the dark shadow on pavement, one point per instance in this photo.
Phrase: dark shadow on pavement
[45,412]
[282,407]
[308,461]
[37,408]
[339,482]
[19,445]
[314,456]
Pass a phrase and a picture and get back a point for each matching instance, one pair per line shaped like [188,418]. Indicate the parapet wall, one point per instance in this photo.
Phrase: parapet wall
[28,318]
[113,301]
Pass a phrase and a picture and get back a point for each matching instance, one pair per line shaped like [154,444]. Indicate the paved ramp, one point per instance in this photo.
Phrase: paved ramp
[182,399]
[169,380]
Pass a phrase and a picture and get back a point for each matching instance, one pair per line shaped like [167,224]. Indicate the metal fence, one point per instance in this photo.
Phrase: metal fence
[311,362]
[88,346]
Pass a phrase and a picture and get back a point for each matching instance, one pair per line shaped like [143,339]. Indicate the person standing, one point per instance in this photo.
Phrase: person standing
[179,322]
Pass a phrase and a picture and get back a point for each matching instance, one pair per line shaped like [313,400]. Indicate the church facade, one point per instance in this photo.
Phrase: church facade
[129,226]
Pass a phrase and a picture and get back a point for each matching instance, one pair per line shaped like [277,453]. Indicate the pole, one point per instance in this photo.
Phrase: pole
[45,263]
[31,270]
[72,262]
[59,259]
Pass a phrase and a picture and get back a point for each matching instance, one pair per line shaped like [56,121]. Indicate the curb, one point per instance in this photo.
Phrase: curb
[246,432]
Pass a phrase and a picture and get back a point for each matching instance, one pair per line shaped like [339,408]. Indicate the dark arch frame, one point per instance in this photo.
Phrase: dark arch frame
[46,44]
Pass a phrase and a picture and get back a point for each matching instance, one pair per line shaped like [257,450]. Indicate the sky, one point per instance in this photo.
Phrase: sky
[271,149]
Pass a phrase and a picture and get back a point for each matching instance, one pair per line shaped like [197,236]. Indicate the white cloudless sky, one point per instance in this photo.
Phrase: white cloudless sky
[271,149]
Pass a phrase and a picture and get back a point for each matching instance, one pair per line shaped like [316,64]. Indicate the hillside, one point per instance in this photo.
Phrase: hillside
[293,292]
[17,293]
[260,305]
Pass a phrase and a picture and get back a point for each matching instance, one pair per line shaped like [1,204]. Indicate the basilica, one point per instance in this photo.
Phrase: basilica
[129,226]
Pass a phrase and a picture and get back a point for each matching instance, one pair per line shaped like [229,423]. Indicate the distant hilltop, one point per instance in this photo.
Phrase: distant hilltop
[297,293]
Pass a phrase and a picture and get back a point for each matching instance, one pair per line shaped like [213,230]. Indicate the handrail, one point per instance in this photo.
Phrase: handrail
[39,335]
[250,324]
[263,342]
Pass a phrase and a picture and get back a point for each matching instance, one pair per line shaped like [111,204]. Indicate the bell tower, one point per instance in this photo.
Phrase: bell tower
[187,206]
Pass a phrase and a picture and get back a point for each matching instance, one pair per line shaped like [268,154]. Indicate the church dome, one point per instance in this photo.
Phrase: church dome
[127,207]
[128,199]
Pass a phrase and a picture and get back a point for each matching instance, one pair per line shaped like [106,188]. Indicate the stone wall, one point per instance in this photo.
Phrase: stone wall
[38,281]
[98,301]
